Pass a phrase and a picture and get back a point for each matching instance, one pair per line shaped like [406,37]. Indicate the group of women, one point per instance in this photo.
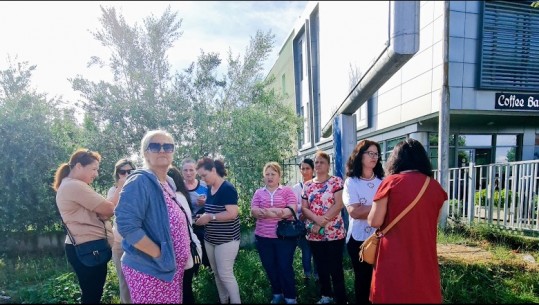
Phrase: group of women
[160,212]
[406,270]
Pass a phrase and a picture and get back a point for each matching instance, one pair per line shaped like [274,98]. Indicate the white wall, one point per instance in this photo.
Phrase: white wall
[415,90]
[352,35]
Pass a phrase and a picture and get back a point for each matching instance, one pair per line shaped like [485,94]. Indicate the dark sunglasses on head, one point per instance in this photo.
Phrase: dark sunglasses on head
[124,171]
[156,147]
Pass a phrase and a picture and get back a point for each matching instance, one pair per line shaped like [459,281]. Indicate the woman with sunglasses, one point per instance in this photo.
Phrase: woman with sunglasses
[155,232]
[122,169]
[364,172]
[84,213]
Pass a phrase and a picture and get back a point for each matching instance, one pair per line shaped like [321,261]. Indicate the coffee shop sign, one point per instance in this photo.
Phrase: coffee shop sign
[517,101]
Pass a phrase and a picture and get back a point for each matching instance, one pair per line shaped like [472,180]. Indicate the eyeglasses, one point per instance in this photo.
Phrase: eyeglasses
[124,171]
[372,154]
[156,147]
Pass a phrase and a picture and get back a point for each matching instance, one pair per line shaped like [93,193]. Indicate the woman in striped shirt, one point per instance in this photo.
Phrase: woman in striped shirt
[270,204]
[222,238]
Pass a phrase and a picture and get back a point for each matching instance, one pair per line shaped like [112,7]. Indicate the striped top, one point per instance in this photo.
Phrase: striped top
[263,198]
[220,232]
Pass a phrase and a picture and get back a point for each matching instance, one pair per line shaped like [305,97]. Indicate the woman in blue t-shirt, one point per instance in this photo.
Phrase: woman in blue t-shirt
[222,238]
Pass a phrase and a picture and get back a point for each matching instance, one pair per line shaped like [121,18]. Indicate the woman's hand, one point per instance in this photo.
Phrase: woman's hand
[203,219]
[321,221]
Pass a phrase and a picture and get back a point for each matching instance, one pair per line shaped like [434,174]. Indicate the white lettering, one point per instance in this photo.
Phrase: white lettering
[533,102]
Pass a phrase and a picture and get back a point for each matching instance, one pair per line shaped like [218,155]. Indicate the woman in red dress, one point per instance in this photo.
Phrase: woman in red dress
[406,269]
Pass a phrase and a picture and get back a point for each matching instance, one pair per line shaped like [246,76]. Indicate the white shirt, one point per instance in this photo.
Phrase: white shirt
[359,191]
[298,189]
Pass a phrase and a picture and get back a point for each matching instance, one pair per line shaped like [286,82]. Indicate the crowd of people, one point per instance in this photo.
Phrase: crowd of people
[162,223]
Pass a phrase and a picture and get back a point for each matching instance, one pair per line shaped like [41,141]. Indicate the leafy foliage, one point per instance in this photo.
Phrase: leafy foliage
[231,116]
[34,136]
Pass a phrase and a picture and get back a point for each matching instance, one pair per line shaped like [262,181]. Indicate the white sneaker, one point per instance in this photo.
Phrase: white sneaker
[277,299]
[325,300]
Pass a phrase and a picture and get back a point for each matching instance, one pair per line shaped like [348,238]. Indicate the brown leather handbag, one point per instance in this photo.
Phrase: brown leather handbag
[368,251]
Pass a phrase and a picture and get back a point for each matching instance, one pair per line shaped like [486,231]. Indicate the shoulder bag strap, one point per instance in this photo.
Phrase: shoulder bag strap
[293,213]
[408,208]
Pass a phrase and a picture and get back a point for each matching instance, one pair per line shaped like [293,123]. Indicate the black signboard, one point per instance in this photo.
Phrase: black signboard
[517,101]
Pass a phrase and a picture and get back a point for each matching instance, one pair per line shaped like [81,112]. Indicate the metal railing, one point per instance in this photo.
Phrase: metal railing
[498,194]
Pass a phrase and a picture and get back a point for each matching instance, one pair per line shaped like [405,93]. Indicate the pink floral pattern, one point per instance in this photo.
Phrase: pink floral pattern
[146,289]
[320,196]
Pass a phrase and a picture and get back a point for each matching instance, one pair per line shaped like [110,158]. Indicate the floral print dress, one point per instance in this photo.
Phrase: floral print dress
[146,289]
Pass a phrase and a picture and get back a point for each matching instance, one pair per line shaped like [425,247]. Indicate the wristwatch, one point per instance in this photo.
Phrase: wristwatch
[213,217]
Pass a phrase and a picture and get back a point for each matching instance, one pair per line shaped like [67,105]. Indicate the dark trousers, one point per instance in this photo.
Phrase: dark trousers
[306,257]
[188,295]
[277,256]
[199,232]
[91,279]
[362,272]
[328,256]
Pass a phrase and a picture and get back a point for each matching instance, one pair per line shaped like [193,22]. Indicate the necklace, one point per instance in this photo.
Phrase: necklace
[372,177]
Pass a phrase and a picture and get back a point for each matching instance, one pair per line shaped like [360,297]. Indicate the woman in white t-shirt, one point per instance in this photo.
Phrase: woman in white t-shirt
[122,169]
[364,173]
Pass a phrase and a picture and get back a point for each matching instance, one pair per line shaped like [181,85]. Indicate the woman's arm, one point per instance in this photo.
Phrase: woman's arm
[377,213]
[230,213]
[358,211]
[147,246]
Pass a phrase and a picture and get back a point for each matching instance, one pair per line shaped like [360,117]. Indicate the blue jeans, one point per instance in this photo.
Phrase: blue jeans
[306,257]
[277,256]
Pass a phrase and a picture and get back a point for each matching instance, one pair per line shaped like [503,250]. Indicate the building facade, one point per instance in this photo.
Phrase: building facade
[476,64]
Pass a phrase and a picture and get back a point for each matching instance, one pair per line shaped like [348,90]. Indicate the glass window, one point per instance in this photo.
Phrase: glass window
[475,140]
[536,151]
[506,140]
[390,145]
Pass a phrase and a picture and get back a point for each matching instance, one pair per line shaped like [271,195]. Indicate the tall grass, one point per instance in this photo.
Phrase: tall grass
[504,279]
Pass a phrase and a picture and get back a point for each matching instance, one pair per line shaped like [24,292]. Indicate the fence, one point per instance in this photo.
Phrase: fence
[498,194]
[503,194]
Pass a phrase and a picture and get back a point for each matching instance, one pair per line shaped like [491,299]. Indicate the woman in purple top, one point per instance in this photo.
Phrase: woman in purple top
[268,206]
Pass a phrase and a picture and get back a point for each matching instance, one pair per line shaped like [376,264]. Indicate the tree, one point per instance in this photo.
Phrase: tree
[228,116]
[35,137]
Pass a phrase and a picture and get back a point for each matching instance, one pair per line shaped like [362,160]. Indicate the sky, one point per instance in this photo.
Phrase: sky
[56,35]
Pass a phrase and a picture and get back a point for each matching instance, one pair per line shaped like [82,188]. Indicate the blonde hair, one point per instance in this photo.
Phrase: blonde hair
[273,165]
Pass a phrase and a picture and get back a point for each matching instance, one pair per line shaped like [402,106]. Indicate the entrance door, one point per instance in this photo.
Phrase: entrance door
[480,156]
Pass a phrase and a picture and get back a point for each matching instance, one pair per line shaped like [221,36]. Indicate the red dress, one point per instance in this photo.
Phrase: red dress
[407,270]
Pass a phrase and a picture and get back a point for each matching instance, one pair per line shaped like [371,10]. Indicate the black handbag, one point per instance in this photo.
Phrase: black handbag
[92,253]
[291,228]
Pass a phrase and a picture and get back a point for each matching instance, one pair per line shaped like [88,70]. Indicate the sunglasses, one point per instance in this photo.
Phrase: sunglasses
[156,147]
[124,171]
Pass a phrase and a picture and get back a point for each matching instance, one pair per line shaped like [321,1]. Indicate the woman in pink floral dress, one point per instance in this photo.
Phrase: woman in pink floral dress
[322,204]
[155,232]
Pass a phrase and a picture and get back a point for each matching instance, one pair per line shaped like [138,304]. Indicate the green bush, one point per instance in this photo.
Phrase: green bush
[498,197]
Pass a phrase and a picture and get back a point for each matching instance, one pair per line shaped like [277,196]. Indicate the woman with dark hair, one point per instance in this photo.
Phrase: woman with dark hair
[322,205]
[406,270]
[122,169]
[84,213]
[364,174]
[306,168]
[222,238]
[182,196]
